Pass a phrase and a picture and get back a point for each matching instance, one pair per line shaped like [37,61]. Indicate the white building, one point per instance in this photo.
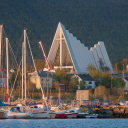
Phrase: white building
[70,54]
[89,81]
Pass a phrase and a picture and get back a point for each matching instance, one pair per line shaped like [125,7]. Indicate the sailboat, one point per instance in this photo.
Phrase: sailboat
[37,111]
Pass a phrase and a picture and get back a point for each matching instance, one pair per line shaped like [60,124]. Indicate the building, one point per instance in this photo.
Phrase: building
[70,54]
[82,95]
[89,81]
[41,78]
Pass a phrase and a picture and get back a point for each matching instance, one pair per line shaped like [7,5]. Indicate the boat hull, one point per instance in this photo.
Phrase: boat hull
[80,115]
[60,115]
[71,115]
[14,115]
[52,115]
[40,115]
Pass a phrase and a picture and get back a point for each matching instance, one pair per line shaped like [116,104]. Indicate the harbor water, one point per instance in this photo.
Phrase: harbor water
[65,123]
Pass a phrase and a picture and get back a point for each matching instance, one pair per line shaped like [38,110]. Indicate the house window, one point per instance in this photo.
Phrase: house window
[90,82]
[41,79]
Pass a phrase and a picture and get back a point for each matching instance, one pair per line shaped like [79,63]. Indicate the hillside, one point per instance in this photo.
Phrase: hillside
[89,20]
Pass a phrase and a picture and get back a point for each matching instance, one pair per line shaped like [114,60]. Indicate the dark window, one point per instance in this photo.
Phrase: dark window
[90,82]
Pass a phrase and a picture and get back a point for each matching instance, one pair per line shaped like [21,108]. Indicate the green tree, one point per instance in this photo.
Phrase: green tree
[39,64]
[59,75]
[73,84]
[118,83]
[82,85]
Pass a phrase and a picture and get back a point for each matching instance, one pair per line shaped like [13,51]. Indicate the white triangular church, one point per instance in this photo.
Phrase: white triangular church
[70,54]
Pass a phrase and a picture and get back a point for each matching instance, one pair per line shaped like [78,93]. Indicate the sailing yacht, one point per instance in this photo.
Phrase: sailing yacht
[16,113]
[39,111]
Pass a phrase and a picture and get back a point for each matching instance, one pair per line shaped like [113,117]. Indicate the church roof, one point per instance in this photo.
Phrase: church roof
[81,56]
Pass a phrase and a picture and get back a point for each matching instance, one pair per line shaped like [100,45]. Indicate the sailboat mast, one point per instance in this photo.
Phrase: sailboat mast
[22,71]
[1,26]
[7,56]
[25,61]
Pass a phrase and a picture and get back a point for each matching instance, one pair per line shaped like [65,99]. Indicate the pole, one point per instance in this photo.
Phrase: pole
[47,84]
[0,42]
[7,65]
[22,71]
[25,61]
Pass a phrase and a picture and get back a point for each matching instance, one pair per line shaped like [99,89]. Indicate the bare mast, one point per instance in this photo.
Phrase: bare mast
[1,26]
[7,57]
[24,50]
[22,71]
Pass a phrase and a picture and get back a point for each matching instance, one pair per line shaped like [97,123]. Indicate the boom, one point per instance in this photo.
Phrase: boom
[44,56]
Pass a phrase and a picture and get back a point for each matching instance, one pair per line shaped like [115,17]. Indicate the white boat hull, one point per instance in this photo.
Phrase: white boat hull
[40,115]
[71,115]
[15,115]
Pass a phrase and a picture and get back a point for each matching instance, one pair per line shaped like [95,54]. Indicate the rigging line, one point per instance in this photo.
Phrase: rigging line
[4,33]
[15,79]
[11,57]
[13,54]
[19,46]
[35,68]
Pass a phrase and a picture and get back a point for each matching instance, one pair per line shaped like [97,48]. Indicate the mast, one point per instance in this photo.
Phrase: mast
[25,61]
[22,72]
[1,26]
[7,56]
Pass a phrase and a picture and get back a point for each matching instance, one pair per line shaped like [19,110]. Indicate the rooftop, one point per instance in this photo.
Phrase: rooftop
[86,77]
[43,74]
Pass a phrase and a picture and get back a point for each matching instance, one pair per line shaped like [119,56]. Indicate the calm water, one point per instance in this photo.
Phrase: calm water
[65,123]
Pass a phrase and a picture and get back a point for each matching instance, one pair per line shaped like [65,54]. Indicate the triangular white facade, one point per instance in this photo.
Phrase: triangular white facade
[70,54]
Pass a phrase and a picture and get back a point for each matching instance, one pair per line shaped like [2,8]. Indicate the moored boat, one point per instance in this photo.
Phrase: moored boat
[60,115]
[15,113]
[52,115]
[71,113]
[91,116]
[39,111]
[3,115]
